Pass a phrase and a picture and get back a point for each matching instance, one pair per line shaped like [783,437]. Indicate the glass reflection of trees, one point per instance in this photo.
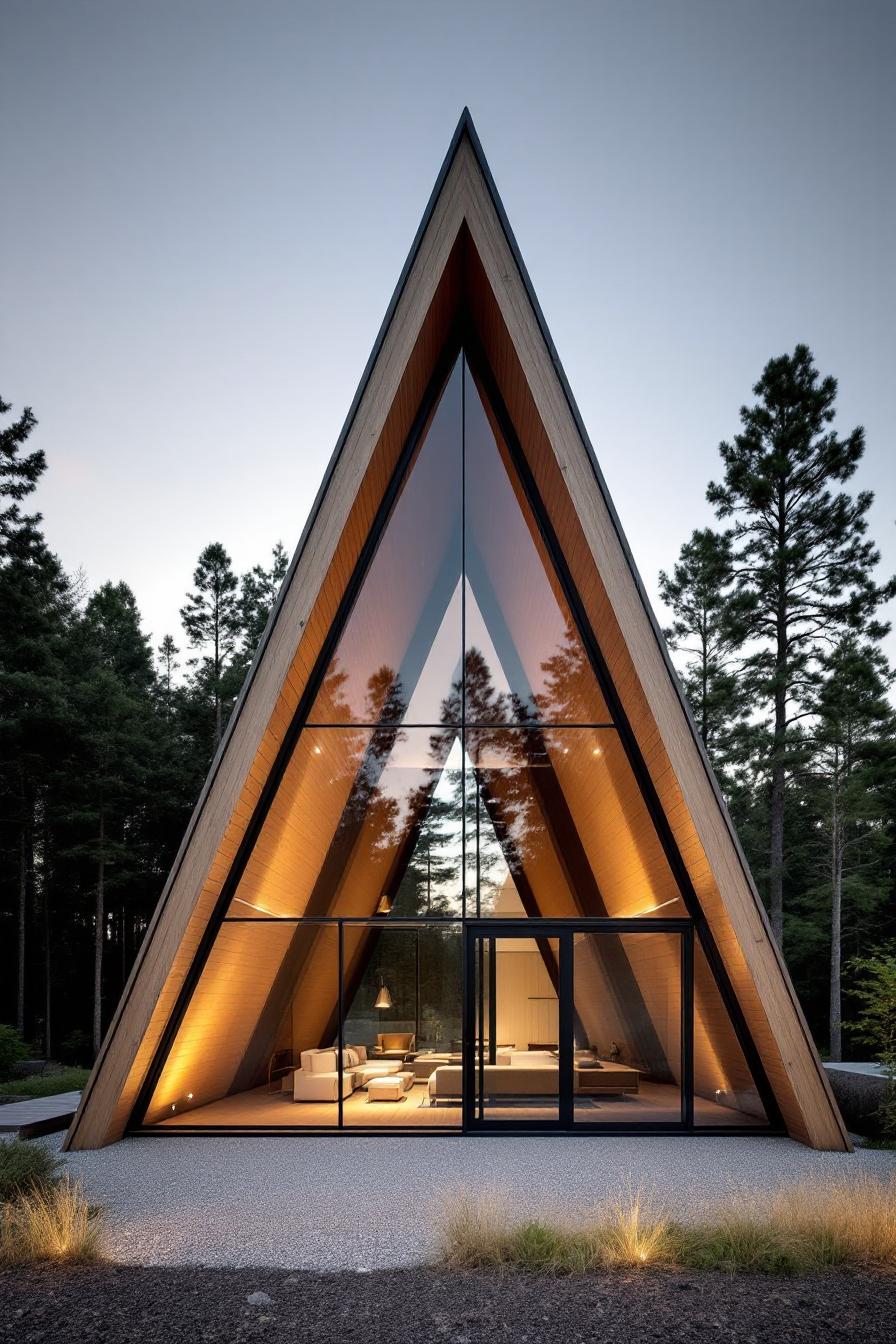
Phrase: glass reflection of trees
[422,824]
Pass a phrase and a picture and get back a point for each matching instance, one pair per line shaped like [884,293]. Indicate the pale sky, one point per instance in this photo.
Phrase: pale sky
[206,206]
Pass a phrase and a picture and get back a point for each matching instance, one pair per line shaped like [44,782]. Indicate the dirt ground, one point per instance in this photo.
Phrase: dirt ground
[124,1304]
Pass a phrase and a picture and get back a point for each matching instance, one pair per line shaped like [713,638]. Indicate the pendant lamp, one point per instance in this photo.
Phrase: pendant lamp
[384,998]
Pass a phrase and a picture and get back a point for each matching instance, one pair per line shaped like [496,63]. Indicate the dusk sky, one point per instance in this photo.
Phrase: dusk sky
[206,207]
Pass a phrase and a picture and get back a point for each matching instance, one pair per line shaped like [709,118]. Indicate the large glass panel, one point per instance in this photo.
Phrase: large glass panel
[516,1068]
[524,660]
[556,827]
[402,1001]
[364,821]
[253,1045]
[725,1091]
[627,1028]
[398,656]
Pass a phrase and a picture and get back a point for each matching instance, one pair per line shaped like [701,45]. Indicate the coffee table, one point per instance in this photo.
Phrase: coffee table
[389,1087]
[604,1079]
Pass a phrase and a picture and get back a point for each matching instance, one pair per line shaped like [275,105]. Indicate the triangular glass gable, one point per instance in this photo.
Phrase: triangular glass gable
[459,760]
[401,646]
[524,659]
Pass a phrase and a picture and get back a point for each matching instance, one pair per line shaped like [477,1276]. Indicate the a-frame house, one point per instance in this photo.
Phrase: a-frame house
[460,861]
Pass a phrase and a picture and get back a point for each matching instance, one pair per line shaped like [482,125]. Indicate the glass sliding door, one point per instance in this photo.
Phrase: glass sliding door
[631,993]
[579,1024]
[518,1028]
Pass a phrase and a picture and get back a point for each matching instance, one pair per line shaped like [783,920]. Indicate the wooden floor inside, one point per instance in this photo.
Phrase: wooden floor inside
[262,1107]
[655,1103]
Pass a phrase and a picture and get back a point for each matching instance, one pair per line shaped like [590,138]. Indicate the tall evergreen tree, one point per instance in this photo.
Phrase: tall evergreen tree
[34,607]
[258,593]
[211,620]
[800,553]
[852,774]
[168,665]
[114,703]
[19,475]
[706,631]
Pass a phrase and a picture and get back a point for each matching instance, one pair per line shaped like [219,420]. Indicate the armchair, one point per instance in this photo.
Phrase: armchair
[394,1044]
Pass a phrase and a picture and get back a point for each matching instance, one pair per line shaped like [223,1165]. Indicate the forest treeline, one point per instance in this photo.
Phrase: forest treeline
[105,742]
[776,629]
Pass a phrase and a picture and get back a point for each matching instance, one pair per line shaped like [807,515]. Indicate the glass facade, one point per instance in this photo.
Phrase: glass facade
[627,996]
[457,775]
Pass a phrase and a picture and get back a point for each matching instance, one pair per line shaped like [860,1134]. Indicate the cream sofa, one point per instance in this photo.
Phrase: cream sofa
[532,1073]
[516,1073]
[318,1077]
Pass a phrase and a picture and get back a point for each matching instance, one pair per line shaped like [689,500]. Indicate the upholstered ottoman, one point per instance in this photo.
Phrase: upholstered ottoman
[389,1087]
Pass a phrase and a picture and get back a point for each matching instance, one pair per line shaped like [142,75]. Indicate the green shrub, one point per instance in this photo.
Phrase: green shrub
[26,1167]
[47,1084]
[77,1049]
[875,1025]
[740,1245]
[537,1246]
[12,1049]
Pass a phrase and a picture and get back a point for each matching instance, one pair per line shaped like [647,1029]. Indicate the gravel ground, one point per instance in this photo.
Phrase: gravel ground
[367,1203]
[124,1305]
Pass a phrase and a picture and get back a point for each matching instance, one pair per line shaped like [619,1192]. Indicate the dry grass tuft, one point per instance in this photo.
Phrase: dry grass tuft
[801,1229]
[845,1221]
[480,1231]
[632,1233]
[473,1230]
[50,1224]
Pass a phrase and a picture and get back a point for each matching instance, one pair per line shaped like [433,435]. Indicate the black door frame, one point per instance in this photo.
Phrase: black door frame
[477,933]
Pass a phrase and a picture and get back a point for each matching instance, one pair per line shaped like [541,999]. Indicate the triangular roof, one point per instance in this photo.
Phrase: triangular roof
[464,268]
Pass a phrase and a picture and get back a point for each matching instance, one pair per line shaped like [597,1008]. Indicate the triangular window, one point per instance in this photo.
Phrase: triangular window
[398,656]
[524,660]
[459,759]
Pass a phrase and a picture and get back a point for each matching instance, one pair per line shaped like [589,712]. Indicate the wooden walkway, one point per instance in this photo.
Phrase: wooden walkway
[34,1116]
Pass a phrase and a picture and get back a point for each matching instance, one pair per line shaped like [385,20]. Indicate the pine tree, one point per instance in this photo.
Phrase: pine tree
[167,653]
[211,621]
[258,593]
[19,475]
[34,607]
[852,773]
[800,554]
[114,704]
[707,630]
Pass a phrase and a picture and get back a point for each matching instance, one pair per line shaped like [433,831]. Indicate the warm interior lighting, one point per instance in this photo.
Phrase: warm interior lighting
[598,751]
[253,905]
[648,909]
[383,998]
[385,905]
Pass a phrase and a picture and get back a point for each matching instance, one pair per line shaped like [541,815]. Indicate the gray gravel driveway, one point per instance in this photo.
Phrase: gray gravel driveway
[324,1203]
